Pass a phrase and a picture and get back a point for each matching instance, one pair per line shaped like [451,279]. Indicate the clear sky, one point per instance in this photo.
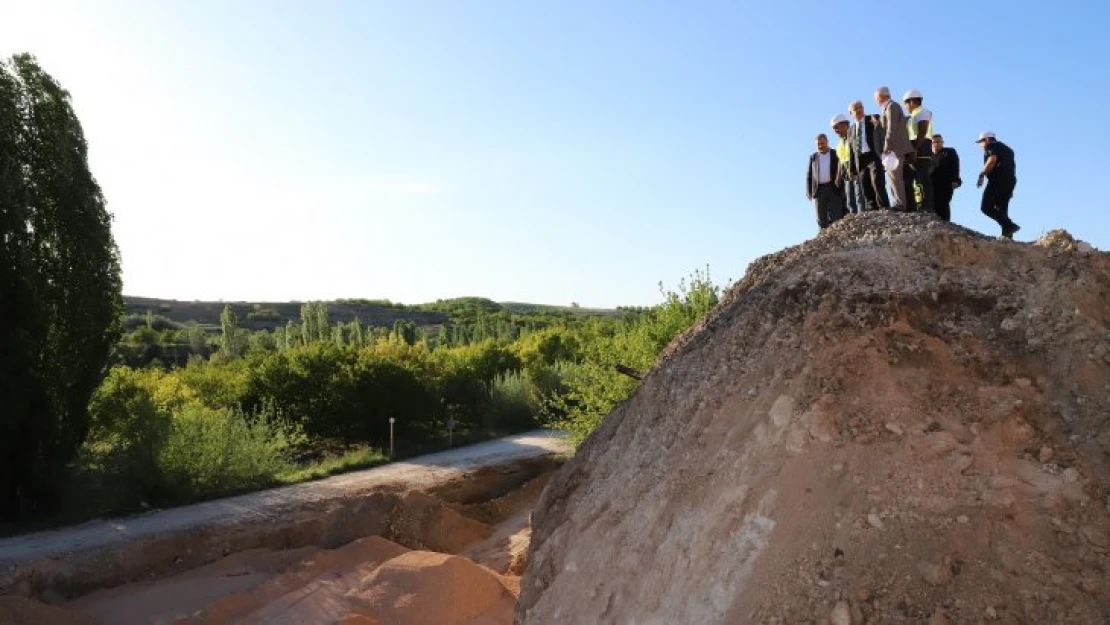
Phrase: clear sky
[546,152]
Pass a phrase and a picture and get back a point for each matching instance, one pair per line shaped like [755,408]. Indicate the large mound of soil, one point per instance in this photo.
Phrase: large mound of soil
[899,421]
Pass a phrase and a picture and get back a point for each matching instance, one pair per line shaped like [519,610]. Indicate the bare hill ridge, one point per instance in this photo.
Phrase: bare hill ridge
[898,421]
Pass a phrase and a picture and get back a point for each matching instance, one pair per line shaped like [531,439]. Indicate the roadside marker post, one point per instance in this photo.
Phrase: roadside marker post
[391,422]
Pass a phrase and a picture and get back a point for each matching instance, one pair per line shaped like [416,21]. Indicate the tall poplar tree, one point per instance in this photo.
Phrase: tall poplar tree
[60,302]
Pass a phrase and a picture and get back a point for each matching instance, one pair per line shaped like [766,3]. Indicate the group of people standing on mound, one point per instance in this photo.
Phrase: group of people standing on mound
[899,147]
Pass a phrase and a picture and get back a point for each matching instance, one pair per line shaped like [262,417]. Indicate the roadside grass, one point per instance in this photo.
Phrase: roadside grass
[353,460]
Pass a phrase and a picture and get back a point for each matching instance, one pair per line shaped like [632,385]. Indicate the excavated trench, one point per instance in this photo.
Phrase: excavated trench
[328,560]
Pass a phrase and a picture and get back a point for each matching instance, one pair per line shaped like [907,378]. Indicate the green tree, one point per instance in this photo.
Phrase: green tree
[292,332]
[308,324]
[60,302]
[233,344]
[594,386]
[356,333]
[323,331]
[279,338]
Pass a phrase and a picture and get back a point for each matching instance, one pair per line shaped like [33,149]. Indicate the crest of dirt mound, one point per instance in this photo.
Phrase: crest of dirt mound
[898,421]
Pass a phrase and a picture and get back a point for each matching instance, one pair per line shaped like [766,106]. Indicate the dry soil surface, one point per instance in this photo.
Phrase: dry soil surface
[900,421]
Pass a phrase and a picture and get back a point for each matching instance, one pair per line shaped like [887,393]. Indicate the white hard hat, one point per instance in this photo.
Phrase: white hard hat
[838,120]
[983,136]
[911,94]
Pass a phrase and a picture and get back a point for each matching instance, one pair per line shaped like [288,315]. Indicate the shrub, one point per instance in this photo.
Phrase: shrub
[128,430]
[212,452]
[514,403]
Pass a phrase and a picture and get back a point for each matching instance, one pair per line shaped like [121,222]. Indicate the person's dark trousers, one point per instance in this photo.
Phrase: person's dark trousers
[873,181]
[908,176]
[923,177]
[996,201]
[853,195]
[942,201]
[829,205]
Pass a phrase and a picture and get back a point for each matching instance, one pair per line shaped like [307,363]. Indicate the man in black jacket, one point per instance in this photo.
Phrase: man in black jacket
[1000,171]
[866,144]
[945,176]
[821,183]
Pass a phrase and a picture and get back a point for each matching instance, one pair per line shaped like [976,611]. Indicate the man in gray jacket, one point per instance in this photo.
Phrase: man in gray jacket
[892,122]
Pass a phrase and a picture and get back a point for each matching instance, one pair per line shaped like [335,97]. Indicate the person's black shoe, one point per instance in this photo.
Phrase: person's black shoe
[1008,232]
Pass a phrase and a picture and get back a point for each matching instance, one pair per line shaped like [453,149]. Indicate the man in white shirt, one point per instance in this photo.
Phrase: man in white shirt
[865,147]
[821,186]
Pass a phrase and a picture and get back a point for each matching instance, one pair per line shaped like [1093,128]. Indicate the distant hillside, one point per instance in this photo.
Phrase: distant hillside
[520,308]
[382,313]
[269,315]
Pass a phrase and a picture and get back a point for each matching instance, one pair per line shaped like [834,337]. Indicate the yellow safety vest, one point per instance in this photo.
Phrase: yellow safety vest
[911,122]
[842,152]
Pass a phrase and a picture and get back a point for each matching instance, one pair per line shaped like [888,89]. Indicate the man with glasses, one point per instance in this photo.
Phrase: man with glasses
[945,177]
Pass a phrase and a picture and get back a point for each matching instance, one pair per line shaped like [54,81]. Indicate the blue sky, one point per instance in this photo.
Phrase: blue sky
[544,152]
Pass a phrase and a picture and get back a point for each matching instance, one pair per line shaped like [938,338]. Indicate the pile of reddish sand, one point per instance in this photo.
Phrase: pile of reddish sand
[370,581]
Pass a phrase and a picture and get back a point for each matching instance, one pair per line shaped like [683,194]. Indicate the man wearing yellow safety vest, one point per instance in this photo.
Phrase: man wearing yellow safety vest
[919,124]
[846,178]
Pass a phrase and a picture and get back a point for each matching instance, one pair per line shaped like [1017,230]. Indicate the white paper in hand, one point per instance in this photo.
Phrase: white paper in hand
[890,160]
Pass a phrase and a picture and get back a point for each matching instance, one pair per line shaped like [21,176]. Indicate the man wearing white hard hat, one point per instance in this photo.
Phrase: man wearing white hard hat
[1000,171]
[897,148]
[846,177]
[919,125]
[821,184]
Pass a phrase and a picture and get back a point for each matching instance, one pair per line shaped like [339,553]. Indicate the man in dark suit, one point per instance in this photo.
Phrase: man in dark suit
[945,176]
[1000,171]
[866,145]
[821,186]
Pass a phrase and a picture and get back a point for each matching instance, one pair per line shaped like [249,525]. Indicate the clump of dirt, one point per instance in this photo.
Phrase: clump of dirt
[421,587]
[898,421]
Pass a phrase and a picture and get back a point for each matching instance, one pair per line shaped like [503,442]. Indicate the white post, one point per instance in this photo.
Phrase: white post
[391,422]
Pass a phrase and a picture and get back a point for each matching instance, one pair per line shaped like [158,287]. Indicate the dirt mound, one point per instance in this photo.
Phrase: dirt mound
[425,522]
[311,592]
[453,591]
[900,420]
